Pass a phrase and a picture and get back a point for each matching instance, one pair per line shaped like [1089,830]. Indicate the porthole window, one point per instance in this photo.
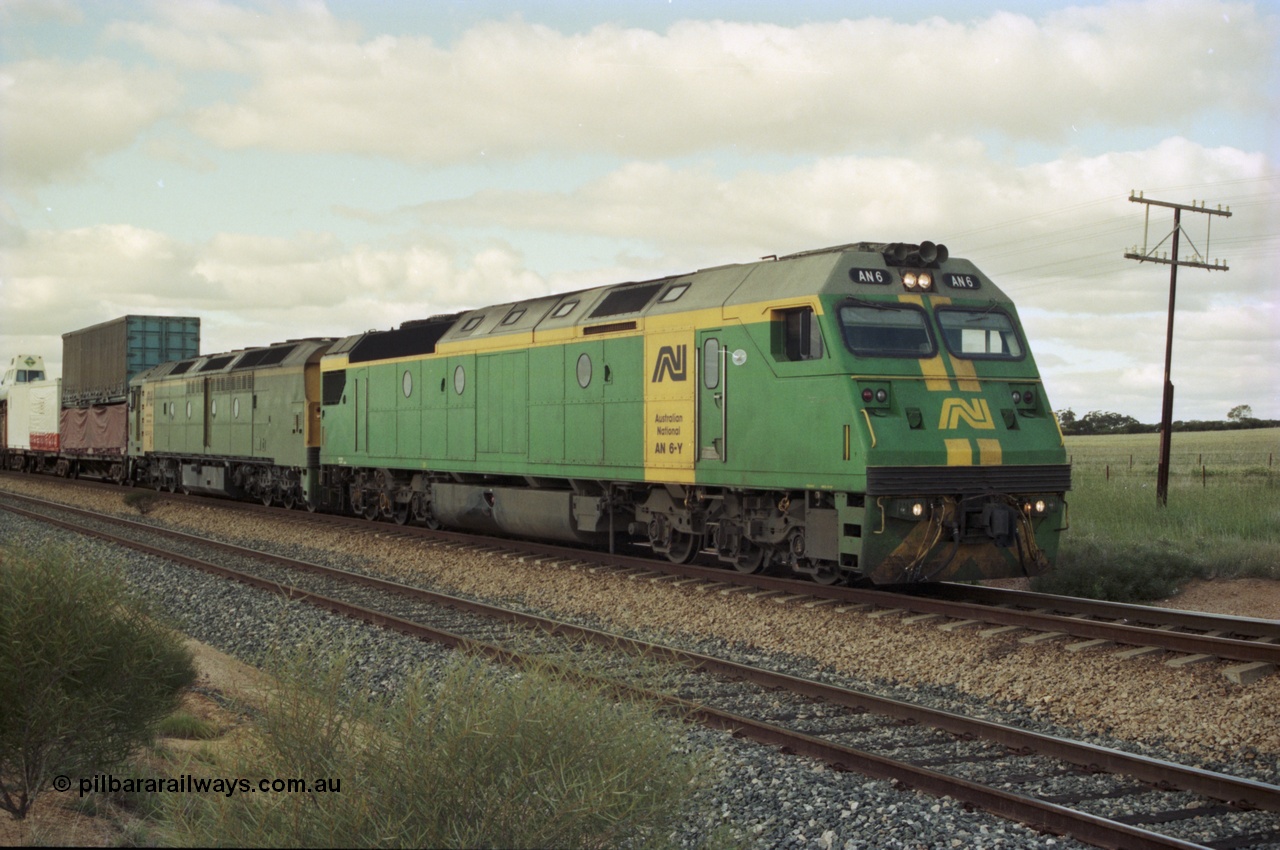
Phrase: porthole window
[459,379]
[235,408]
[406,383]
[188,408]
[584,370]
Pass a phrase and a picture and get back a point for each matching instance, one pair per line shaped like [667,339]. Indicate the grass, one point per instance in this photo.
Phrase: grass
[476,758]
[186,726]
[1222,518]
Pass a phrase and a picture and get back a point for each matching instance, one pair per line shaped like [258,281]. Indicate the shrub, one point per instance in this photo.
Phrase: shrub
[84,673]
[1119,571]
[478,759]
[142,501]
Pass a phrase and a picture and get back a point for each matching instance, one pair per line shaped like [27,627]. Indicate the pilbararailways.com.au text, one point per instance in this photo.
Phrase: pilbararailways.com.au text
[106,783]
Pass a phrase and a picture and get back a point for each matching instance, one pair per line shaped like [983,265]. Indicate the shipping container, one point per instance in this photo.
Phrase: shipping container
[98,362]
[33,417]
[23,369]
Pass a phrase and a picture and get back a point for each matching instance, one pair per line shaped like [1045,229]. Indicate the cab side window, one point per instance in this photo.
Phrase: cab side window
[796,335]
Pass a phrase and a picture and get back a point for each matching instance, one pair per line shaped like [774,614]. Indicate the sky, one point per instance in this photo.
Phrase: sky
[296,169]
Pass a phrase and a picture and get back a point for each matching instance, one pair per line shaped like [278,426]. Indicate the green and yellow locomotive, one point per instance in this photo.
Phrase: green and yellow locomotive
[863,412]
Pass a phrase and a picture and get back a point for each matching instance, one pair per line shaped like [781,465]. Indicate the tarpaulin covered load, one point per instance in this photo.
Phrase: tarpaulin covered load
[96,431]
[33,416]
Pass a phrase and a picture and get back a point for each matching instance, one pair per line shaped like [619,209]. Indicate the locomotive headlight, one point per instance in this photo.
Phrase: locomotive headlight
[882,395]
[1023,396]
[909,280]
[911,510]
[1037,508]
[925,280]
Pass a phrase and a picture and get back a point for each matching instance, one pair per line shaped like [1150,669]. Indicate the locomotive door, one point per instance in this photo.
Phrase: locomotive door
[713,410]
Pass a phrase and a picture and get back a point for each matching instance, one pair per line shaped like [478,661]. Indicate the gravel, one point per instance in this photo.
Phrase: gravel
[771,799]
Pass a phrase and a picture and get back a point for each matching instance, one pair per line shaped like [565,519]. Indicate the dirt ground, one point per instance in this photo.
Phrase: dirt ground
[1244,597]
[65,819]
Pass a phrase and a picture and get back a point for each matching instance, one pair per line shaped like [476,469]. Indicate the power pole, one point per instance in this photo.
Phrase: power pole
[1197,261]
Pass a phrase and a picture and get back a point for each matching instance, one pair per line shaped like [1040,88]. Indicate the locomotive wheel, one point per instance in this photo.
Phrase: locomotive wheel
[750,559]
[683,548]
[400,513]
[370,511]
[267,498]
[287,500]
[828,576]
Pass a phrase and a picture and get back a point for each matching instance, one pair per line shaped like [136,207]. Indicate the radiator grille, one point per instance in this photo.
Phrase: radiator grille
[965,480]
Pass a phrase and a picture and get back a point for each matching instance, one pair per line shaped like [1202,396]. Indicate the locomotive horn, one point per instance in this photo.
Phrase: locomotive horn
[943,253]
[928,252]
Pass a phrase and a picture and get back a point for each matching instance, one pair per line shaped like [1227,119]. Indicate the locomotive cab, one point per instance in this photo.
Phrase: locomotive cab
[965,464]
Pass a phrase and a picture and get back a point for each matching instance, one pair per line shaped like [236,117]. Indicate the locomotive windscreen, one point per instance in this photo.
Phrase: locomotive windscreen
[881,329]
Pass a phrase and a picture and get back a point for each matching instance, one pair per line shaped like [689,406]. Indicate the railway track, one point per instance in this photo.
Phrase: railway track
[1021,775]
[1246,649]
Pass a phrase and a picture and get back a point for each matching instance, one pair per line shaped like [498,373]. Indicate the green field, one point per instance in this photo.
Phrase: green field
[1222,518]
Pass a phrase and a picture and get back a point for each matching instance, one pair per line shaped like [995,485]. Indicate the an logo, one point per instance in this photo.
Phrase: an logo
[672,362]
[975,412]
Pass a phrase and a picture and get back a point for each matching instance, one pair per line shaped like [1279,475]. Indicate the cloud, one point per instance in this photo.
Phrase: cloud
[58,116]
[251,289]
[1036,227]
[23,11]
[515,89]
[729,141]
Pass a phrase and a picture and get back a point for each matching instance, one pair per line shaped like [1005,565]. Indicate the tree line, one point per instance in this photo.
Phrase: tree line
[1239,417]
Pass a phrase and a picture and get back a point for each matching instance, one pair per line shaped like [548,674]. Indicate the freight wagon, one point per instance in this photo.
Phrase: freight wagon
[97,364]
